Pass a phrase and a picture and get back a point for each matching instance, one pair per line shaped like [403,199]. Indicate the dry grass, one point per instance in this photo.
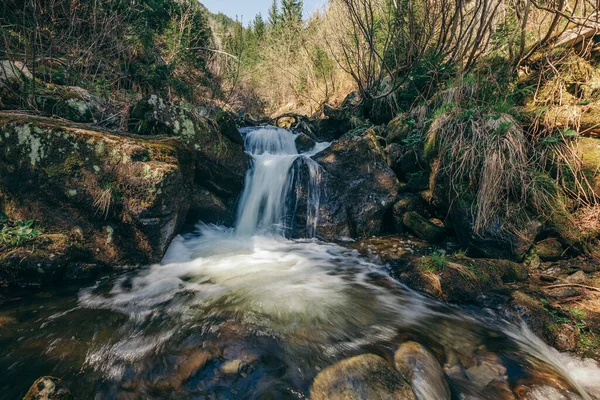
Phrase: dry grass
[102,201]
[487,154]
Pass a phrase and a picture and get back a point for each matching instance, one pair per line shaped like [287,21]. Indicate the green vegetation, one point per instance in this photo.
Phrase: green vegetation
[436,262]
[17,233]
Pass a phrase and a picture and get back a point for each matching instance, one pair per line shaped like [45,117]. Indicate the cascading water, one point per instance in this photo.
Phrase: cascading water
[247,313]
[265,203]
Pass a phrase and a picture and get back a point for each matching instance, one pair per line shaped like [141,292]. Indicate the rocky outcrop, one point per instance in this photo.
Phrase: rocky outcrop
[114,199]
[124,198]
[362,377]
[358,188]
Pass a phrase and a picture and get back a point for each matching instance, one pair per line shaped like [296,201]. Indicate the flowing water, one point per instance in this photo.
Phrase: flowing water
[248,313]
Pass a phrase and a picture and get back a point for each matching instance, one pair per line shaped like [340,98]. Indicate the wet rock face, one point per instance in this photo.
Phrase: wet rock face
[358,188]
[120,199]
[48,388]
[362,377]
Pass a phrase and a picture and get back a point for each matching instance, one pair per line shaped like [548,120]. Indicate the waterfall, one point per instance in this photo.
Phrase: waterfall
[265,205]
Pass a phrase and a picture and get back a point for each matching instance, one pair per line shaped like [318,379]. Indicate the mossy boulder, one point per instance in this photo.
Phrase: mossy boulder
[121,199]
[358,188]
[397,130]
[153,115]
[362,377]
[549,249]
[227,127]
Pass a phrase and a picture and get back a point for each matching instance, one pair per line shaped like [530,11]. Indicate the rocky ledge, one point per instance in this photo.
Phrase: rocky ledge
[103,199]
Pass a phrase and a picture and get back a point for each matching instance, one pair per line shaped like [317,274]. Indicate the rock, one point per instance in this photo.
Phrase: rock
[423,371]
[186,366]
[358,188]
[496,242]
[128,196]
[76,105]
[227,127]
[209,208]
[48,388]
[397,130]
[304,143]
[408,202]
[13,78]
[362,377]
[578,277]
[422,228]
[41,261]
[532,311]
[418,181]
[549,249]
[566,338]
[13,70]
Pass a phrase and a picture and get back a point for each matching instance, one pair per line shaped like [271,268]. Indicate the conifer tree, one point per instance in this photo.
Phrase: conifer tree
[274,14]
[291,11]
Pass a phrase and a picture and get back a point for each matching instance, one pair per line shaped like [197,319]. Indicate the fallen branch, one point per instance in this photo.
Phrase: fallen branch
[572,285]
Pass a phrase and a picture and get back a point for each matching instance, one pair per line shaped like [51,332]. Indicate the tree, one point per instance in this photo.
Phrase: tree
[291,11]
[274,14]
[259,26]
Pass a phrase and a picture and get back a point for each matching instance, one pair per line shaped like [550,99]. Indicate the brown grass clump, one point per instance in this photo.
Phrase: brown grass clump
[486,154]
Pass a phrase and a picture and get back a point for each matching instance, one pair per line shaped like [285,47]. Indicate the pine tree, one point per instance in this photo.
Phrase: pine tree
[274,14]
[259,26]
[291,11]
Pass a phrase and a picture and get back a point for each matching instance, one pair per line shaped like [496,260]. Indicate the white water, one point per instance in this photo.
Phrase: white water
[321,301]
[264,206]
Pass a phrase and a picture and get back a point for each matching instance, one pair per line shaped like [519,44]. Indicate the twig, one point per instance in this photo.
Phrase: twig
[572,285]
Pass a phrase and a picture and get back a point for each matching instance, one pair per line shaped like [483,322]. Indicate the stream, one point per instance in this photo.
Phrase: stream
[248,313]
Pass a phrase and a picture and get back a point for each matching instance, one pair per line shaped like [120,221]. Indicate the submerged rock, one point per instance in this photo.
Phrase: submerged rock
[358,188]
[48,388]
[362,377]
[423,370]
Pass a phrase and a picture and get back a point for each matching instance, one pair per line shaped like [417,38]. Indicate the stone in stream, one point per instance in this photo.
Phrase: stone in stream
[48,388]
[423,370]
[362,377]
[358,188]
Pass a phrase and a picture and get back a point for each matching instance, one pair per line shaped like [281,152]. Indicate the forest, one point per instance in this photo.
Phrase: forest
[379,199]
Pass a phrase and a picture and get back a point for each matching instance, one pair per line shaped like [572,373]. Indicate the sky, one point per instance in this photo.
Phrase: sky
[249,8]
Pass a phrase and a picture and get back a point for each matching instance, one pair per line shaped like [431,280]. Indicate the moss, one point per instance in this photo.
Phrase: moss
[71,164]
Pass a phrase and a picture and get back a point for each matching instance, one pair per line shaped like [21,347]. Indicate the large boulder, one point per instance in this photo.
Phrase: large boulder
[362,377]
[121,199]
[221,162]
[358,188]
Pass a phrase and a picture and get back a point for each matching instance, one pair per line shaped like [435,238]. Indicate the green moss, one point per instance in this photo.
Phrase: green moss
[71,164]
